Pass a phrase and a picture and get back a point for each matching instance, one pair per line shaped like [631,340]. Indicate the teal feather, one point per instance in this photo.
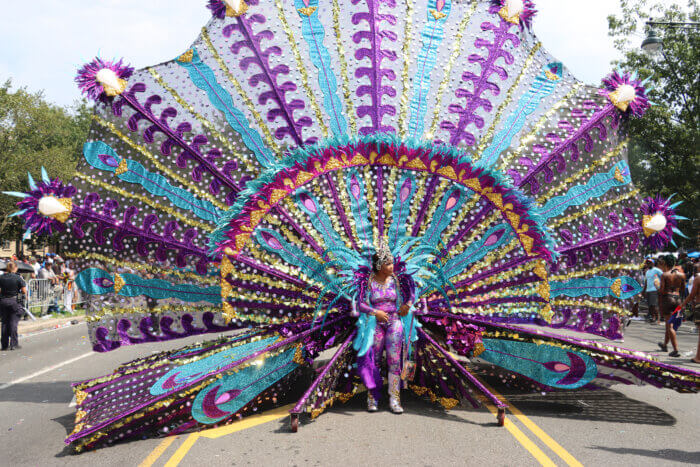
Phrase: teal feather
[30,181]
[598,287]
[451,202]
[154,183]
[494,238]
[204,78]
[313,32]
[360,210]
[16,194]
[406,189]
[597,186]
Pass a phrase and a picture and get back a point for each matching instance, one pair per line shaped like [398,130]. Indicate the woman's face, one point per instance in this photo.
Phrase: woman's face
[387,268]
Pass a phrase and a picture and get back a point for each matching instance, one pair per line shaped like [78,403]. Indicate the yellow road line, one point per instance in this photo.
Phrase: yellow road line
[182,450]
[158,451]
[526,442]
[214,433]
[248,422]
[539,432]
[546,439]
[282,412]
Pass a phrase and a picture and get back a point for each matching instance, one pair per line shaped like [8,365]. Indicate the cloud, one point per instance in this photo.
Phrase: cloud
[49,40]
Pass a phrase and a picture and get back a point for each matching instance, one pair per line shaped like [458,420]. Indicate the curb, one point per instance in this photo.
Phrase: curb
[32,327]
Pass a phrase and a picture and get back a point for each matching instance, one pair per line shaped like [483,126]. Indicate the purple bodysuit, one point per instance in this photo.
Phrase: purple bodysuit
[387,336]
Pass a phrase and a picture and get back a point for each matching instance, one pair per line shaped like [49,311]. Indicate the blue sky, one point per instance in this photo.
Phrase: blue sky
[44,42]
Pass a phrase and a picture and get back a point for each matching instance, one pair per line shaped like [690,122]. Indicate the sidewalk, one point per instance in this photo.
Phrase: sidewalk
[42,324]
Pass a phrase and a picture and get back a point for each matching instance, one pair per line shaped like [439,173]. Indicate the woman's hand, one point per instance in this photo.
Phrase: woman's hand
[381,316]
[403,310]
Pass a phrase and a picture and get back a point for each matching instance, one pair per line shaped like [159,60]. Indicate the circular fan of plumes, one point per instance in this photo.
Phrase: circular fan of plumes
[89,83]
[35,221]
[659,232]
[524,9]
[627,93]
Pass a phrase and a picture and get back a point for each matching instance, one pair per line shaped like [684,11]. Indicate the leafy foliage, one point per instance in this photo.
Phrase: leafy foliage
[35,133]
[664,145]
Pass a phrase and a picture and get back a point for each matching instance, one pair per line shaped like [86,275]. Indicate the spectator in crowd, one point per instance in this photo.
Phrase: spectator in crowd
[68,278]
[44,270]
[652,278]
[693,299]
[11,284]
[672,281]
[36,266]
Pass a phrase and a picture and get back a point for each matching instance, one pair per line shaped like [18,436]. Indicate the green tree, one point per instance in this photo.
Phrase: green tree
[35,134]
[664,150]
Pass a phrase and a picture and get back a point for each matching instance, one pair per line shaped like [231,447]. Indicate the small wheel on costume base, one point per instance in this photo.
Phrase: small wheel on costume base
[501,416]
[294,422]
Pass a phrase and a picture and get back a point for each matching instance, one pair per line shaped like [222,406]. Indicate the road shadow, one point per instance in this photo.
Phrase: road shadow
[41,392]
[604,405]
[673,455]
[411,403]
[67,421]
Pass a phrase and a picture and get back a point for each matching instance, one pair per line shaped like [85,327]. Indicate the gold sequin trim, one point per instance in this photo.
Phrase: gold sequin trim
[345,77]
[145,200]
[406,51]
[191,186]
[244,159]
[301,67]
[488,136]
[252,108]
[456,51]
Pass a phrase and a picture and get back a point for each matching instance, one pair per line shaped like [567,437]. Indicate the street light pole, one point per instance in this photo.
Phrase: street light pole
[653,43]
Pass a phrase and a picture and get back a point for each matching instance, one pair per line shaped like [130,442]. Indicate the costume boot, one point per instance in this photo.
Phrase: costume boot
[395,394]
[371,402]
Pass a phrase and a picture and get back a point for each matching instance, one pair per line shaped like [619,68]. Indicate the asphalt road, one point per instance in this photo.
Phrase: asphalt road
[624,426]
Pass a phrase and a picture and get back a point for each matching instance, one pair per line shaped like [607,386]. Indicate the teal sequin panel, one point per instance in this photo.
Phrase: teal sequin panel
[103,157]
[181,376]
[204,78]
[407,187]
[494,238]
[546,364]
[275,243]
[622,287]
[95,281]
[313,33]
[432,35]
[450,204]
[323,225]
[226,396]
[360,210]
[543,86]
[597,186]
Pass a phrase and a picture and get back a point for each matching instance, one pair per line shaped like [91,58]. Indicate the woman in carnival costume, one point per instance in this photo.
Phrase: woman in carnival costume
[245,185]
[384,302]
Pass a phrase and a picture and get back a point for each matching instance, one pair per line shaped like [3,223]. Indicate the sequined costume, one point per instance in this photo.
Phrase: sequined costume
[242,188]
[388,337]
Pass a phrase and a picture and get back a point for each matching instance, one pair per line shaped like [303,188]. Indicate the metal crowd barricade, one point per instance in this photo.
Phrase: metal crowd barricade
[44,296]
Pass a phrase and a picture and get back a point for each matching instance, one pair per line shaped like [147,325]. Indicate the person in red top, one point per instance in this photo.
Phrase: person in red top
[672,281]
[694,297]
